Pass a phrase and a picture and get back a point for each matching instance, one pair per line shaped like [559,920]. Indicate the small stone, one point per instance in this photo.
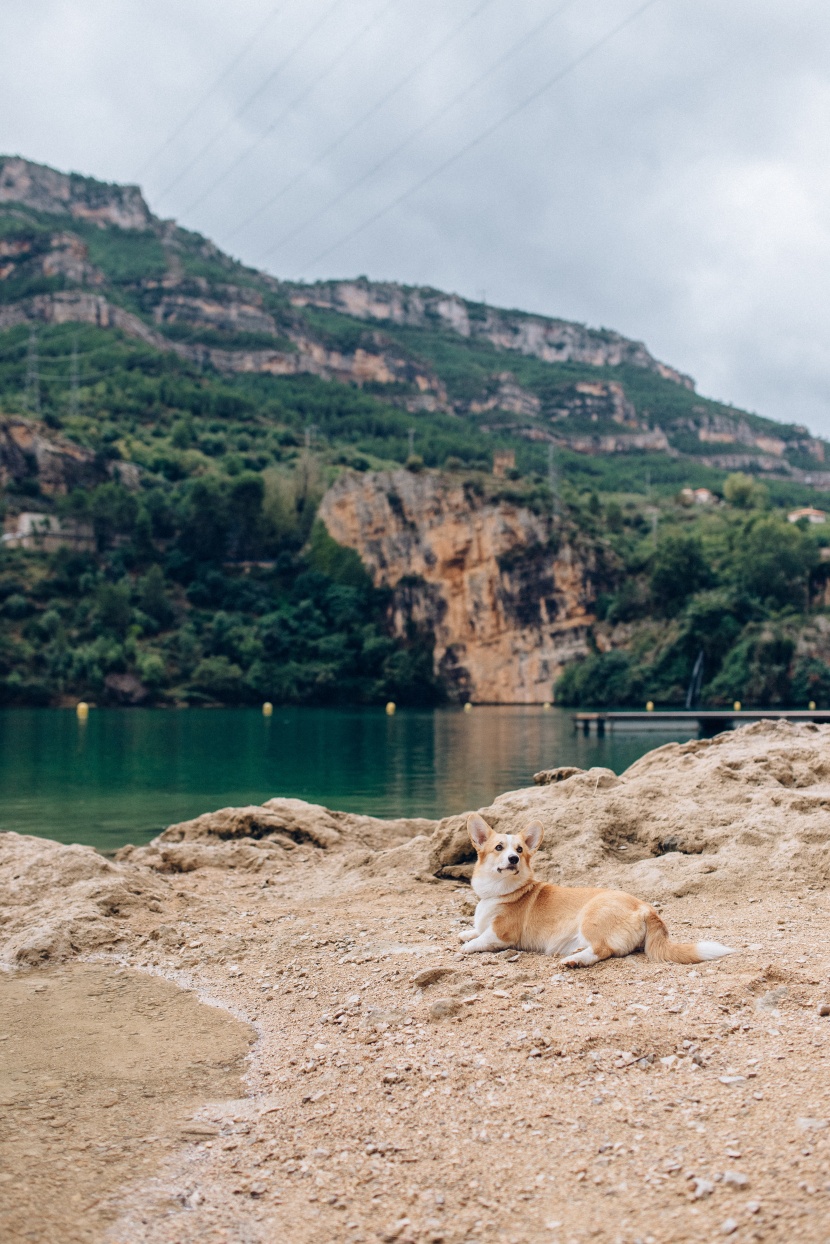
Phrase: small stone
[512,958]
[428,976]
[732,1079]
[808,1124]
[729,1227]
[702,1188]
[771,1000]
[753,1207]
[824,1008]
[444,1008]
[395,1230]
[735,1179]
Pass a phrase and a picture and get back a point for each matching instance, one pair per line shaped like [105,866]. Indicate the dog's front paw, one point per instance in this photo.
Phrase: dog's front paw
[467,935]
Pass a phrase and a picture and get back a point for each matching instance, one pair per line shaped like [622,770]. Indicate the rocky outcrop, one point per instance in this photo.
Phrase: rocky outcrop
[28,450]
[57,901]
[506,595]
[44,189]
[552,341]
[247,838]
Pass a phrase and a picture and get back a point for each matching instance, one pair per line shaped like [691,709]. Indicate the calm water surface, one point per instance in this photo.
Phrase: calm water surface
[125,774]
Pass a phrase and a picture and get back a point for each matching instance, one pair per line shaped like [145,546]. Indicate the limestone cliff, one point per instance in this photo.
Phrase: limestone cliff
[507,595]
[46,190]
[551,340]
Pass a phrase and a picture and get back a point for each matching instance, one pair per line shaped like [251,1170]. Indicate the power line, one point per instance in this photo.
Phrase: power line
[485,134]
[298,99]
[436,116]
[376,107]
[254,95]
[204,98]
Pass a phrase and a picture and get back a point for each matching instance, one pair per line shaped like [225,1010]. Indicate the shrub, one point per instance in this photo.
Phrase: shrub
[220,678]
[600,681]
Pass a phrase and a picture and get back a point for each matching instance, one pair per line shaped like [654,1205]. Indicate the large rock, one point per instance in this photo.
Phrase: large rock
[60,900]
[247,837]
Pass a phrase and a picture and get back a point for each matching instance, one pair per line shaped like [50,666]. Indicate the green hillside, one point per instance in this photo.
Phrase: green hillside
[211,405]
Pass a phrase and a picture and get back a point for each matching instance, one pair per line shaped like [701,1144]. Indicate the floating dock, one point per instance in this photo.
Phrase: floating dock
[704,721]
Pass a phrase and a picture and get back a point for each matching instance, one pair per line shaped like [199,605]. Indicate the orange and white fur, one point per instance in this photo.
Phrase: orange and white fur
[581,925]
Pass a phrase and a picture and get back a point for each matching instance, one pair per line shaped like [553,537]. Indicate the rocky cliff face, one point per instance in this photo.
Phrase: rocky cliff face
[30,451]
[506,594]
[46,190]
[552,341]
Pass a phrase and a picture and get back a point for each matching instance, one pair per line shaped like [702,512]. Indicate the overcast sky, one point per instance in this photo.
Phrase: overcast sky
[671,182]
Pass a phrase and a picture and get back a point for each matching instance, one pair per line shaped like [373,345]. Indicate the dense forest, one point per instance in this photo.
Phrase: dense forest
[192,459]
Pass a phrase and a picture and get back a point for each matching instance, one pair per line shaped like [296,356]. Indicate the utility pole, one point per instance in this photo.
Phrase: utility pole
[32,374]
[411,437]
[553,475]
[73,378]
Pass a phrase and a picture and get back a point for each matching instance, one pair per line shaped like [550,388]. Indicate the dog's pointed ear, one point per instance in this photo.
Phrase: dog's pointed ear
[478,829]
[533,835]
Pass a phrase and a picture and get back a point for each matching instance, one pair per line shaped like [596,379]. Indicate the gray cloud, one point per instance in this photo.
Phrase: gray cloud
[673,186]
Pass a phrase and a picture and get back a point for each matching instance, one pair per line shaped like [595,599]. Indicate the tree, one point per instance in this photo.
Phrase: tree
[744,492]
[773,561]
[678,570]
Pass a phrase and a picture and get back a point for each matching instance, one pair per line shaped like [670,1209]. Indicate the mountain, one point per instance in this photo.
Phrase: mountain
[214,461]
[77,251]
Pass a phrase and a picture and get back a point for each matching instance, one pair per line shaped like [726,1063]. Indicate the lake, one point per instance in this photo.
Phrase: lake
[125,774]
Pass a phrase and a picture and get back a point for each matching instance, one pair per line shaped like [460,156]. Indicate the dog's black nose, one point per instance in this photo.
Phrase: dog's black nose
[512,859]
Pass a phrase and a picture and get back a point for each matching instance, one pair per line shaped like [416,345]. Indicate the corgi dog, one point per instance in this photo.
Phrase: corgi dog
[581,925]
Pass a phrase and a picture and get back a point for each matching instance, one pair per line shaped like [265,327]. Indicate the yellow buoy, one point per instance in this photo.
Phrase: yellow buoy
[267,709]
[650,706]
[390,708]
[468,708]
[736,707]
[812,706]
[82,710]
[546,706]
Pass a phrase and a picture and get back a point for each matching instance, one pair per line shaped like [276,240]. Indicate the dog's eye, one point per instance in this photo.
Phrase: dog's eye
[499,846]
[520,849]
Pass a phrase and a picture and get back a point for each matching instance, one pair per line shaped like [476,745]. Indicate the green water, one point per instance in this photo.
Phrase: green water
[125,774]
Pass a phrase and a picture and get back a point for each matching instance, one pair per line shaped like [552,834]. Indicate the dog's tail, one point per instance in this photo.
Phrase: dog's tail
[661,949]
